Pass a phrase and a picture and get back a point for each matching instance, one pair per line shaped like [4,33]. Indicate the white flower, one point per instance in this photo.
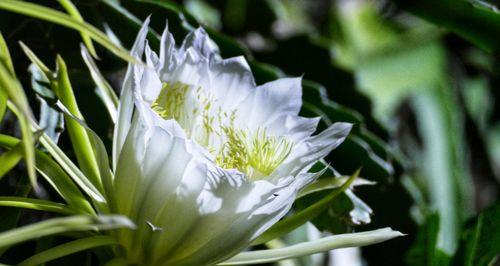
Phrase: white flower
[205,160]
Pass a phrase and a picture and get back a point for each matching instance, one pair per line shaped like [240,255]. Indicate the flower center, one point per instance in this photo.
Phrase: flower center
[170,101]
[256,154]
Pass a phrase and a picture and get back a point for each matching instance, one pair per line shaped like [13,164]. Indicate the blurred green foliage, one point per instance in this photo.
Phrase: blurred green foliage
[418,78]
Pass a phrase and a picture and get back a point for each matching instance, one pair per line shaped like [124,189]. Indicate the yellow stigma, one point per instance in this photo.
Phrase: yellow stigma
[255,154]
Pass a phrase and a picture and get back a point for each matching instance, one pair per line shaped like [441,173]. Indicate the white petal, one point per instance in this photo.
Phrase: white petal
[192,71]
[168,53]
[126,105]
[200,41]
[188,210]
[312,149]
[152,59]
[173,179]
[245,210]
[231,82]
[147,81]
[128,173]
[271,100]
[295,128]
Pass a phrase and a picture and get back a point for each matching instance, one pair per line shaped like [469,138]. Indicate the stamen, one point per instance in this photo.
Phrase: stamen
[256,155]
[266,153]
[233,154]
[171,100]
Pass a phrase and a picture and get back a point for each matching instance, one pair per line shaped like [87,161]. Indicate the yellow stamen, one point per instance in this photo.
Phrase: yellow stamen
[257,155]
[171,100]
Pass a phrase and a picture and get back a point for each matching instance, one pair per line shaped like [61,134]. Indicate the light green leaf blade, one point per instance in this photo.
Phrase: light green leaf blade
[73,12]
[36,204]
[35,60]
[5,55]
[78,135]
[61,86]
[55,176]
[28,142]
[424,250]
[481,242]
[74,172]
[3,104]
[61,225]
[104,90]
[10,159]
[466,18]
[12,89]
[68,248]
[99,152]
[443,162]
[331,183]
[49,14]
[312,247]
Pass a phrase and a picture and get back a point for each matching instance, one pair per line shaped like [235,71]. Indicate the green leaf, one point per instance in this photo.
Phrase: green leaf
[290,223]
[360,149]
[425,250]
[10,159]
[28,142]
[100,154]
[125,24]
[74,13]
[104,90]
[204,12]
[480,245]
[61,85]
[329,183]
[341,214]
[3,104]
[55,176]
[78,135]
[66,163]
[45,13]
[390,78]
[443,162]
[68,248]
[35,204]
[475,23]
[312,247]
[61,225]
[5,56]
[11,87]
[117,262]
